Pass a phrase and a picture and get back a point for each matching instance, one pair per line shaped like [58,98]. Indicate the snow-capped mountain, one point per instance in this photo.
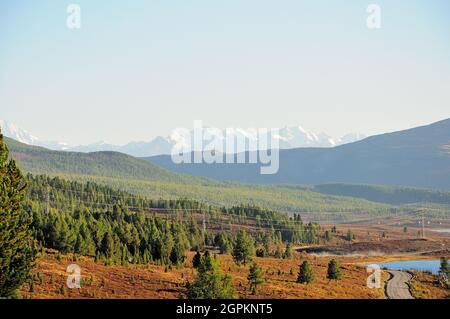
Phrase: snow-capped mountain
[13,131]
[210,138]
[157,146]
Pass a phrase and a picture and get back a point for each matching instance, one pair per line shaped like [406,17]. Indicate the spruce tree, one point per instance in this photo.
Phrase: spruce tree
[165,246]
[334,270]
[177,256]
[223,243]
[17,247]
[267,241]
[349,235]
[244,249]
[328,236]
[107,246]
[210,282]
[196,260]
[306,274]
[255,277]
[288,251]
[445,267]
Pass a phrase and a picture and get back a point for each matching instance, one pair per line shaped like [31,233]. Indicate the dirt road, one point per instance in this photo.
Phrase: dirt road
[397,287]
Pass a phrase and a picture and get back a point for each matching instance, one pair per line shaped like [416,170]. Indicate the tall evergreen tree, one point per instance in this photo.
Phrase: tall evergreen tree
[177,255]
[306,274]
[107,246]
[255,277]
[349,235]
[288,251]
[334,270]
[328,236]
[267,242]
[17,247]
[197,259]
[210,282]
[445,267]
[244,248]
[223,243]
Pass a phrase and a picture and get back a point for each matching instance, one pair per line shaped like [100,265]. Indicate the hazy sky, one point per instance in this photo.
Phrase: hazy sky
[137,69]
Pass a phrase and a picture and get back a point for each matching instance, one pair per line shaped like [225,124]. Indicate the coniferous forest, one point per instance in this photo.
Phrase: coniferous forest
[117,227]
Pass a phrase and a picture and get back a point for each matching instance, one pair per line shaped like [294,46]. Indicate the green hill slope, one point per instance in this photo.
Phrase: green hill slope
[386,194]
[143,178]
[39,160]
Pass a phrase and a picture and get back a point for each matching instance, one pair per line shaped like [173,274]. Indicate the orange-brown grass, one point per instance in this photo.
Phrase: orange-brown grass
[374,231]
[426,286]
[153,281]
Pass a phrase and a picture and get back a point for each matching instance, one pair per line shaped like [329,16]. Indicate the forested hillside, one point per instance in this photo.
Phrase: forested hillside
[386,194]
[39,160]
[140,177]
[117,227]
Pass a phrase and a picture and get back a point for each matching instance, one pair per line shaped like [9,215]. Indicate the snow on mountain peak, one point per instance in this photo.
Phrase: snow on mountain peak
[288,137]
[13,131]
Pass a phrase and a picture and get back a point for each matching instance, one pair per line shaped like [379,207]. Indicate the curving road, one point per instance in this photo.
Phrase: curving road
[397,287]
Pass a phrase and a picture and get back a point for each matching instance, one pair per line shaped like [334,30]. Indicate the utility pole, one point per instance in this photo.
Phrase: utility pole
[423,227]
[204,229]
[48,200]
[204,222]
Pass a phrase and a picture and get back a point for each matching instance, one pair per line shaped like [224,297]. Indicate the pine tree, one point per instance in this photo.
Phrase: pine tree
[177,256]
[349,235]
[445,266]
[288,251]
[306,274]
[223,243]
[255,277]
[196,260]
[17,247]
[210,282]
[244,249]
[328,236]
[165,246]
[80,245]
[107,246]
[334,270]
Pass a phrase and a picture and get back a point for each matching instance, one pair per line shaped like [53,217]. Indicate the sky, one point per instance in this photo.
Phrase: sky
[137,69]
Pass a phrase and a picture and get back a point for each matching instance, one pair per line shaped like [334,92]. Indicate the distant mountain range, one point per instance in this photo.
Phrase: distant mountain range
[288,137]
[19,134]
[417,157]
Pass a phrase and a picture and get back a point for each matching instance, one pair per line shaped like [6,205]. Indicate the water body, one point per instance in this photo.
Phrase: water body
[416,265]
[441,230]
